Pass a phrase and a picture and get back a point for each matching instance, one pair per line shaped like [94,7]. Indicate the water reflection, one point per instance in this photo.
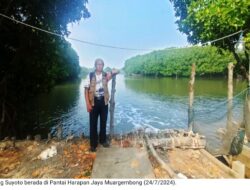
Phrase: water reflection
[42,114]
[140,102]
[179,87]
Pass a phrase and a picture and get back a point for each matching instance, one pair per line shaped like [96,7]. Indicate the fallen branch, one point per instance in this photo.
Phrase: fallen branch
[163,165]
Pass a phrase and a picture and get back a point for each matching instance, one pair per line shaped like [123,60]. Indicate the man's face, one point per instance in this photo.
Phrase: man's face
[99,66]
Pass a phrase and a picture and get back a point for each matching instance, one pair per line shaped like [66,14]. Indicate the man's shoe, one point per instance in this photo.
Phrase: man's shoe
[92,149]
[105,145]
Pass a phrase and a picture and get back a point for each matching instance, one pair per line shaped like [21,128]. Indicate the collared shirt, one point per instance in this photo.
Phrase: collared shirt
[99,91]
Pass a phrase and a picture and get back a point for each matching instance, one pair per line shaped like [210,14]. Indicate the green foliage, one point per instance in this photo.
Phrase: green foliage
[66,67]
[176,62]
[203,21]
[32,62]
[107,69]
[84,71]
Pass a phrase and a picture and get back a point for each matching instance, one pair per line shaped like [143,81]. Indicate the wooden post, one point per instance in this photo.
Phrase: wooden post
[247,114]
[112,107]
[230,133]
[59,133]
[230,96]
[191,100]
[247,102]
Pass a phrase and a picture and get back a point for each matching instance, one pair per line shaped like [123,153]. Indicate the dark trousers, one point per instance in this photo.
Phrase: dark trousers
[99,109]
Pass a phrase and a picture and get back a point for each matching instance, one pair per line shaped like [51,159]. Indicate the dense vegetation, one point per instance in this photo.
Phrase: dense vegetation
[177,62]
[32,62]
[204,21]
[84,71]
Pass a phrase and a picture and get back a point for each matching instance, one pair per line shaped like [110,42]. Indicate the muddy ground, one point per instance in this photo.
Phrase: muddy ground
[73,159]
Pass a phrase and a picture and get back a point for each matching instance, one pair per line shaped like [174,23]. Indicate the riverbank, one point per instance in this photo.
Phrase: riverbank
[139,154]
[37,159]
[42,159]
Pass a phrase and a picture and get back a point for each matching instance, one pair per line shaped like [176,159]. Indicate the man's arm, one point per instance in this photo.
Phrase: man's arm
[86,93]
[112,73]
[88,105]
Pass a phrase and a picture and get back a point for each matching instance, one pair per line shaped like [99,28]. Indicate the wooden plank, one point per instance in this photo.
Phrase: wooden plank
[239,167]
[244,157]
[220,164]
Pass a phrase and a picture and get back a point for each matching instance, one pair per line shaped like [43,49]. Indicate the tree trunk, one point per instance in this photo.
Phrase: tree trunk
[239,62]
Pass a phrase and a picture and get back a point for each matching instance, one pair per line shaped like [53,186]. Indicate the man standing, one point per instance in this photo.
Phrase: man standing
[97,99]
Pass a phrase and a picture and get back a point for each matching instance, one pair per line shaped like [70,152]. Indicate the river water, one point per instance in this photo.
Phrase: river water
[155,103]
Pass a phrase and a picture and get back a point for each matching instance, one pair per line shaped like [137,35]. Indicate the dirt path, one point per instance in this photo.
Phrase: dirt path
[119,162]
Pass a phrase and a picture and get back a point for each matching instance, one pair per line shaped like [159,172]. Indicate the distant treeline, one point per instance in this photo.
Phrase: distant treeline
[209,60]
[84,71]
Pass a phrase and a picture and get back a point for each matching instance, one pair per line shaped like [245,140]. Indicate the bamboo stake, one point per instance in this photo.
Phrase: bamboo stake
[112,107]
[230,96]
[230,133]
[191,100]
[247,101]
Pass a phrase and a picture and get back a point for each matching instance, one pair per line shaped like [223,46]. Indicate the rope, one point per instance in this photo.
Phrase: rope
[209,42]
[74,39]
[104,45]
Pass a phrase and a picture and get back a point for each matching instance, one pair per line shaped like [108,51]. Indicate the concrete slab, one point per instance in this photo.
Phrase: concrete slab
[118,162]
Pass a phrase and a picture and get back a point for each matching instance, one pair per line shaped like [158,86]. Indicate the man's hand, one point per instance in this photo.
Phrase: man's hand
[88,104]
[112,73]
[89,108]
[115,71]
